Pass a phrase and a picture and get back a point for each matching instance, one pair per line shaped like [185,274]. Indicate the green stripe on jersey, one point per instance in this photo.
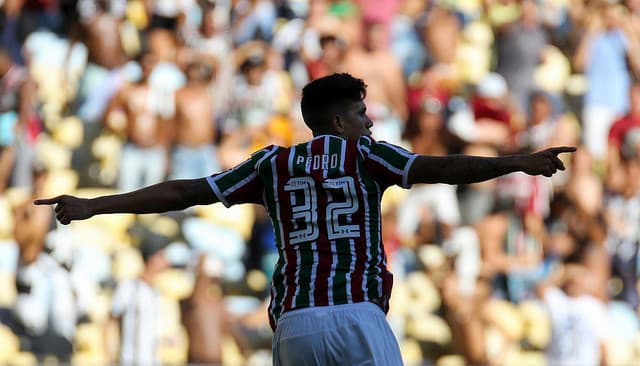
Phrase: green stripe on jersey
[373,201]
[335,147]
[300,150]
[343,249]
[268,177]
[305,255]
[390,155]
[226,181]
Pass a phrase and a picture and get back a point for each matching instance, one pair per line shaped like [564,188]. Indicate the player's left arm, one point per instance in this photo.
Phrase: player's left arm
[466,169]
[162,197]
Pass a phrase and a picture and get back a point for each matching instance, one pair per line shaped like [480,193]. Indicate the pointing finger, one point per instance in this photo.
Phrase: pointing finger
[562,149]
[48,201]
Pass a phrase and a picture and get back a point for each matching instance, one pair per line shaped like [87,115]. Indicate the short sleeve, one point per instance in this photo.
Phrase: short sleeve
[388,164]
[241,184]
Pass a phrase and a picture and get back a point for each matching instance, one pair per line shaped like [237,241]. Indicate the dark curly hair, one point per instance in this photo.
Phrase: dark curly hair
[324,97]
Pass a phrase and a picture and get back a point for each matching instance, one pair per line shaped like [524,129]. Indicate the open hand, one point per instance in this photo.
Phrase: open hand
[545,162]
[68,208]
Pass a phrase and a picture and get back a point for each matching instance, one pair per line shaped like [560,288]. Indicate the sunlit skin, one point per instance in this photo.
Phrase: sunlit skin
[354,122]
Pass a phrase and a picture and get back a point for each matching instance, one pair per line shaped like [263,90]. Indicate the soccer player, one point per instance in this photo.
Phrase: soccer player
[330,289]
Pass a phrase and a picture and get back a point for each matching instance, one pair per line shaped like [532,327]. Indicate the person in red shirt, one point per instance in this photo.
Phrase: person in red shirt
[617,133]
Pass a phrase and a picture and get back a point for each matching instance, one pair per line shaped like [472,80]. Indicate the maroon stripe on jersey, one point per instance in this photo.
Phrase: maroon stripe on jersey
[281,166]
[387,281]
[360,244]
[382,173]
[323,245]
[325,260]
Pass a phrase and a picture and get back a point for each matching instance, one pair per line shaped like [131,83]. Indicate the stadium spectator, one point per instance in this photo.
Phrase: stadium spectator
[136,309]
[520,48]
[616,139]
[607,52]
[194,153]
[136,113]
[45,312]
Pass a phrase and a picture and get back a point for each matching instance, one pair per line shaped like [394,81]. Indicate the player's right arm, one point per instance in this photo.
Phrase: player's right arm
[162,197]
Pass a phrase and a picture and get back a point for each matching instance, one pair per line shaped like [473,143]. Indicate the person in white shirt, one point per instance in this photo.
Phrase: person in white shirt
[135,309]
[579,320]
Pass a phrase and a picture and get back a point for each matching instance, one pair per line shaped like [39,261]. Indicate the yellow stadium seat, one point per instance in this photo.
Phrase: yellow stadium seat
[428,327]
[552,75]
[16,195]
[239,218]
[23,359]
[175,284]
[89,339]
[432,256]
[6,219]
[161,225]
[401,300]
[478,33]
[423,292]
[260,358]
[8,293]
[88,358]
[411,352]
[173,349]
[451,360]
[576,84]
[619,352]
[231,354]
[100,307]
[506,317]
[9,345]
[53,154]
[525,358]
[69,132]
[127,264]
[537,324]
[60,181]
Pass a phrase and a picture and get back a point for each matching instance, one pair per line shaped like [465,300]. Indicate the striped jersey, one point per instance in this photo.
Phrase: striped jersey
[323,197]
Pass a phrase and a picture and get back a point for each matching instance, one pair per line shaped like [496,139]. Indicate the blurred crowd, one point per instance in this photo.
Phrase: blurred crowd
[100,97]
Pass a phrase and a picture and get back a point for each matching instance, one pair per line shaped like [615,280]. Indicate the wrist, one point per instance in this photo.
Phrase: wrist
[513,163]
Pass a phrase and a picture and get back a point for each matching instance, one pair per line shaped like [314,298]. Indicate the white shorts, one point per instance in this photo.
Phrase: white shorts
[351,334]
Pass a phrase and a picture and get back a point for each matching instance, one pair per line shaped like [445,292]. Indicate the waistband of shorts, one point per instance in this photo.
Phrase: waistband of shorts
[358,306]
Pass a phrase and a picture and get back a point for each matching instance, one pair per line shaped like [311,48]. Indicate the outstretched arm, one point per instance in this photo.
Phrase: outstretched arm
[466,169]
[162,197]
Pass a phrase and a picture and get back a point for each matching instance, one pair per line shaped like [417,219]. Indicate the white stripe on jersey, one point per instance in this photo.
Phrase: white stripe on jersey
[307,168]
[326,152]
[217,192]
[343,153]
[290,161]
[297,279]
[386,165]
[241,183]
[334,263]
[352,267]
[381,253]
[282,238]
[314,273]
[405,175]
[367,228]
[266,156]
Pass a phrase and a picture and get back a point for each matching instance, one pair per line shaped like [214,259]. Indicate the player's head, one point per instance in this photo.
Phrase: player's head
[334,105]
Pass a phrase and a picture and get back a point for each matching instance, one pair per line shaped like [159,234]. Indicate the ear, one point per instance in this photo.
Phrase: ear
[337,123]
